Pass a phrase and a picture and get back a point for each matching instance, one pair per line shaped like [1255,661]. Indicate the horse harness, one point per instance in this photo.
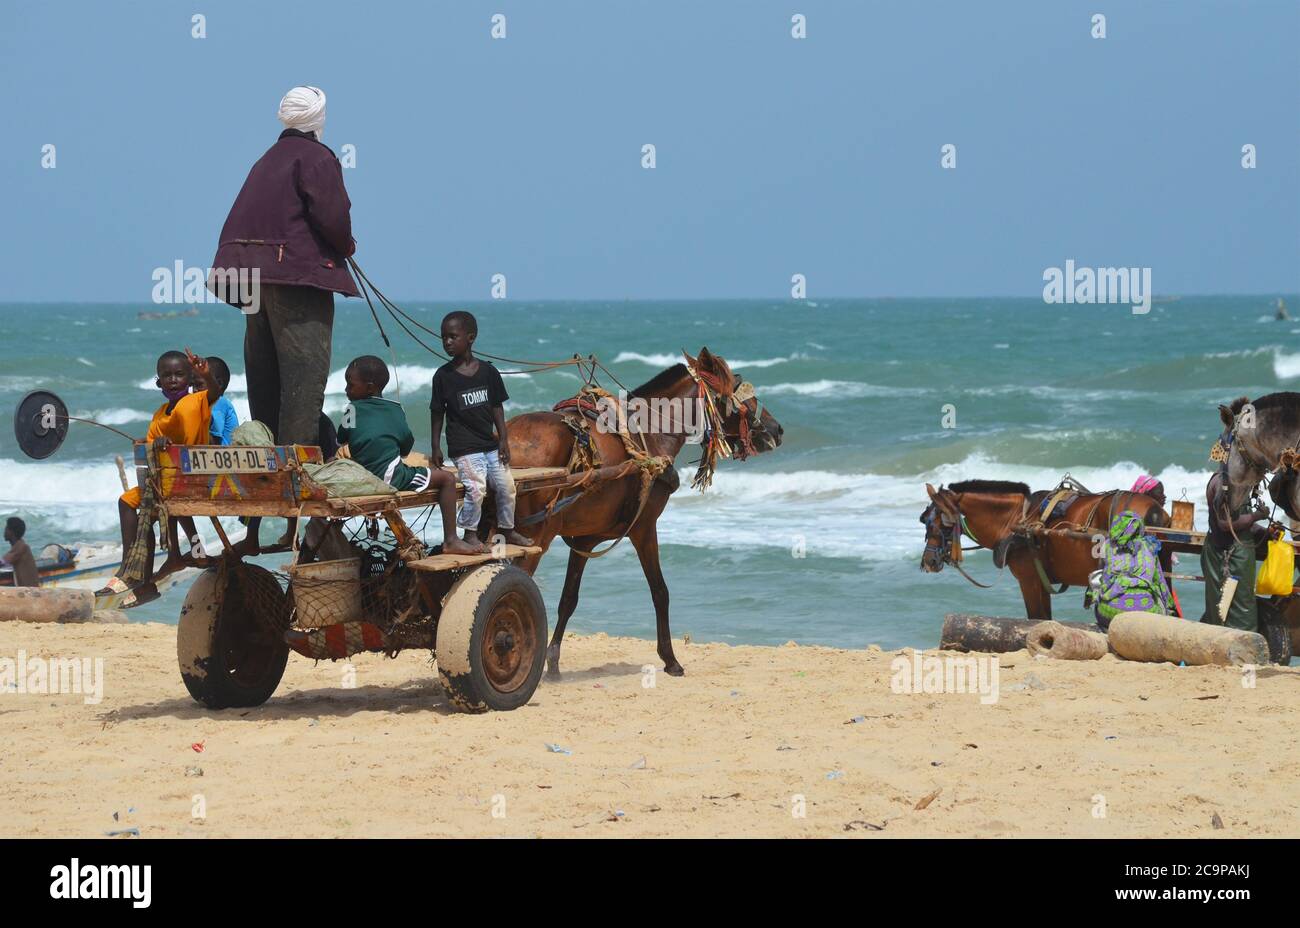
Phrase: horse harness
[1047,507]
[579,411]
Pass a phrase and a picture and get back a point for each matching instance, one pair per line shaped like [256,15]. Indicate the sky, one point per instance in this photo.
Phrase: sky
[775,156]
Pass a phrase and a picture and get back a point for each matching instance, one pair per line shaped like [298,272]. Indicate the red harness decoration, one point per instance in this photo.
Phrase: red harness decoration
[706,381]
[580,403]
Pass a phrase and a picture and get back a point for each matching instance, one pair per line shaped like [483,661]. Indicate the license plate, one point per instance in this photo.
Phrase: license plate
[227,460]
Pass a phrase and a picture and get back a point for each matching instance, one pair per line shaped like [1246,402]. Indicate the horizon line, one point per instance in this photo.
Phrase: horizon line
[673,299]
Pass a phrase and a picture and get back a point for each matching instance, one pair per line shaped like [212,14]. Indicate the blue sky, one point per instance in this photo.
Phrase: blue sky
[775,156]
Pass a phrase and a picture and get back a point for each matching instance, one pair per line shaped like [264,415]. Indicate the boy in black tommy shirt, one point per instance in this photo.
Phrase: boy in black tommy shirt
[470,393]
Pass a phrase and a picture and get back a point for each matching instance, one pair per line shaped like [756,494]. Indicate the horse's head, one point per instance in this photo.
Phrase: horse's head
[1241,474]
[738,416]
[940,519]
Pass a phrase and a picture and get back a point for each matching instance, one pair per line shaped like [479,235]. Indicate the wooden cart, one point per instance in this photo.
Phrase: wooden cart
[482,615]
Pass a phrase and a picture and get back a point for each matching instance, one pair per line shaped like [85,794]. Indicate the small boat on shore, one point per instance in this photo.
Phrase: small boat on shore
[89,565]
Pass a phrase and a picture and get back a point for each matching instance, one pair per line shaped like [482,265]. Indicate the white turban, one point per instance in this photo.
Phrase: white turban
[303,108]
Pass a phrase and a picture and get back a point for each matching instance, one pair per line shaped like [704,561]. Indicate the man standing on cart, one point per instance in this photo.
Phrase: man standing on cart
[290,232]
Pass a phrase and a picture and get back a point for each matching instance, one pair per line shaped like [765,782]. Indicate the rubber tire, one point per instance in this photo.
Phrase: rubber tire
[1276,632]
[461,626]
[209,626]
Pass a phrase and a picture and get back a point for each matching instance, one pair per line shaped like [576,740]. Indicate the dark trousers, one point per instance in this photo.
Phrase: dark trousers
[287,360]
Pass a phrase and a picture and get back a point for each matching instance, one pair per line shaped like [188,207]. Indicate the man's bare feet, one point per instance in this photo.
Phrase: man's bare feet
[514,538]
[454,545]
[170,566]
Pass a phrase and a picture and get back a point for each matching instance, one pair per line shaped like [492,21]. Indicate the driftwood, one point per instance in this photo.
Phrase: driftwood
[1144,636]
[34,604]
[1057,640]
[990,634]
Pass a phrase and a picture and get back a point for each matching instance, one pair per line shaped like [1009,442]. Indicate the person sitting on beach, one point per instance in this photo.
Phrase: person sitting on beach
[19,556]
[1131,579]
[184,419]
[374,433]
[471,394]
[224,418]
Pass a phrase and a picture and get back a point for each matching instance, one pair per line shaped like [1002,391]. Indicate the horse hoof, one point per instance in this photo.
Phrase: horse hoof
[552,671]
[674,669]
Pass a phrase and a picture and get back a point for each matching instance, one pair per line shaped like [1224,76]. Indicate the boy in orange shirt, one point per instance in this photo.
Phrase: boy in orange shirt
[184,419]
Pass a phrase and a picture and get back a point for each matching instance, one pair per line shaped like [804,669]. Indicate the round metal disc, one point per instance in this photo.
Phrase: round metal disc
[40,424]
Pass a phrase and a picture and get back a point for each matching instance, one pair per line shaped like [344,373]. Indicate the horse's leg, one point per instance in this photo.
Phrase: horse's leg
[1038,605]
[645,538]
[568,600]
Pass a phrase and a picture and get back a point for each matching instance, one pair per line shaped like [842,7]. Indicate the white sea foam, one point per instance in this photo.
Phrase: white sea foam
[1286,366]
[848,389]
[413,378]
[668,360]
[864,516]
[117,416]
[855,516]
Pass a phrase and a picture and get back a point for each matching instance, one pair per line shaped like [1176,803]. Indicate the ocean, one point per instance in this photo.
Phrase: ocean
[817,542]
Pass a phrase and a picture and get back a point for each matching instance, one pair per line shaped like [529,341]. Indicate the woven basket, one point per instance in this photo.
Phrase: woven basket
[326,592]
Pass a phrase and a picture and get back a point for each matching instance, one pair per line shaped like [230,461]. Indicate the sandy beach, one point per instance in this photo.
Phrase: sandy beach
[751,738]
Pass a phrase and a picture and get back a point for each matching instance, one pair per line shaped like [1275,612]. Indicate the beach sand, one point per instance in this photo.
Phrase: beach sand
[728,749]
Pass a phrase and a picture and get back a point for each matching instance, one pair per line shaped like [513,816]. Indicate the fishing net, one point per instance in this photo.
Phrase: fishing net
[370,603]
[258,592]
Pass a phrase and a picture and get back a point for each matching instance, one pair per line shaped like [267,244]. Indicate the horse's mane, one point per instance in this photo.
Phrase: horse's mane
[661,380]
[989,486]
[1287,404]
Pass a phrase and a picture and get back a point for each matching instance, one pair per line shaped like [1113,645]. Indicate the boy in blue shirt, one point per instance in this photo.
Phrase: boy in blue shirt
[224,417]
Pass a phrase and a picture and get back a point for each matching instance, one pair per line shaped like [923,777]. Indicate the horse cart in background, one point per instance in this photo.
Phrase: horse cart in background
[481,615]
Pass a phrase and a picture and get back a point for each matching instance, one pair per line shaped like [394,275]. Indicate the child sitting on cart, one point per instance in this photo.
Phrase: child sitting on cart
[374,433]
[184,419]
[470,393]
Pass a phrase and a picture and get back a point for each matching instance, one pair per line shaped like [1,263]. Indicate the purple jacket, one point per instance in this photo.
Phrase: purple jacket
[291,220]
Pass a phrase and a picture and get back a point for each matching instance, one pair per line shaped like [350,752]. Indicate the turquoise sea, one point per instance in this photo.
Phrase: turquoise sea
[860,386]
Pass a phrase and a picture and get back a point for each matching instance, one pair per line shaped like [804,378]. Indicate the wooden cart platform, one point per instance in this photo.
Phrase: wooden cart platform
[218,480]
[439,562]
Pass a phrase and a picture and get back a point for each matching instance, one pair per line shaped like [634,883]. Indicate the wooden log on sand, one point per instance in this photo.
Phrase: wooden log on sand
[1144,636]
[990,634]
[35,604]
[1054,639]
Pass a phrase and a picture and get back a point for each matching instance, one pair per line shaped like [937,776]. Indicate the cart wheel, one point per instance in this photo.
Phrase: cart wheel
[227,656]
[1274,628]
[492,639]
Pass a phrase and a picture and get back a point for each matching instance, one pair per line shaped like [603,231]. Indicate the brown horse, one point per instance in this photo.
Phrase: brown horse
[608,510]
[989,512]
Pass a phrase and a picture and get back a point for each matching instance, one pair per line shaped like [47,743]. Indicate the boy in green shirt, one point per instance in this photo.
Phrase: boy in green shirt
[375,434]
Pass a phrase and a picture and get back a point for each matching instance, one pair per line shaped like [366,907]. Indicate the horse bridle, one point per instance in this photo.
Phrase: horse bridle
[949,533]
[741,400]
